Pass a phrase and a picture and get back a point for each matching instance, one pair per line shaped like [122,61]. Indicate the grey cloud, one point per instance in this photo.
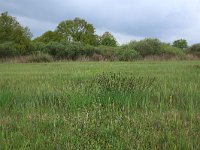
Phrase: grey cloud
[166,19]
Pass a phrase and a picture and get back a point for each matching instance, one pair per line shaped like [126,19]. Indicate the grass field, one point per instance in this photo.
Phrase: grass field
[100,105]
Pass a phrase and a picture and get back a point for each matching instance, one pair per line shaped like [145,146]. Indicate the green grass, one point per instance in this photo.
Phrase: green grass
[100,105]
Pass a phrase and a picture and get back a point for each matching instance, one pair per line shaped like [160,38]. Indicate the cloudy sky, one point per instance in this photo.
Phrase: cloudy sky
[126,19]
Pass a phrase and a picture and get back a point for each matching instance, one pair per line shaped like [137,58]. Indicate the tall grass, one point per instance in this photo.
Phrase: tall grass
[100,105]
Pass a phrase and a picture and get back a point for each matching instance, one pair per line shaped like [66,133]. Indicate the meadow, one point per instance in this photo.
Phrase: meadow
[100,105]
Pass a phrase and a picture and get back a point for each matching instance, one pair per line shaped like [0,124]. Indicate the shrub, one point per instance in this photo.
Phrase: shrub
[8,49]
[109,53]
[74,49]
[38,47]
[70,50]
[126,54]
[148,47]
[89,50]
[171,51]
[54,48]
[195,49]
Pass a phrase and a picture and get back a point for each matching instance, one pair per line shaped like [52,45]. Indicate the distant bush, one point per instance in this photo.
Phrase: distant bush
[54,48]
[127,53]
[144,49]
[108,53]
[8,49]
[74,50]
[153,47]
[148,47]
[171,51]
[38,47]
[195,49]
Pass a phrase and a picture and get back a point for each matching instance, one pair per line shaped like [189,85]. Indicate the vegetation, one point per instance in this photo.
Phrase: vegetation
[195,49]
[77,30]
[95,105]
[49,36]
[107,39]
[180,44]
[100,105]
[76,39]
[12,31]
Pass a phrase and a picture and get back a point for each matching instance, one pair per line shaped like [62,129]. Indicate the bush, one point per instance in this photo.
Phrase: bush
[171,51]
[148,47]
[195,49]
[127,54]
[109,53]
[89,50]
[73,50]
[54,48]
[38,47]
[8,49]
[122,53]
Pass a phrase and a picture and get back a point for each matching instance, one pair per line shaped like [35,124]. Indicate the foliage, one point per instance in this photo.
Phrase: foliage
[195,49]
[107,39]
[38,47]
[74,39]
[12,31]
[148,47]
[171,51]
[8,49]
[127,55]
[49,36]
[77,30]
[69,50]
[181,43]
[53,48]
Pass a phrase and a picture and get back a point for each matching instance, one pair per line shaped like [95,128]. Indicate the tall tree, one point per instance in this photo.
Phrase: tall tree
[181,43]
[12,31]
[77,30]
[108,39]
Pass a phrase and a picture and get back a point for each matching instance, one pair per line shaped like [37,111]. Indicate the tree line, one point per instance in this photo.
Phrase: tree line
[74,39]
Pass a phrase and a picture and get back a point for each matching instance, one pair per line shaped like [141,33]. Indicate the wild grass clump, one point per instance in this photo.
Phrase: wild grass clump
[119,82]
[39,57]
[123,90]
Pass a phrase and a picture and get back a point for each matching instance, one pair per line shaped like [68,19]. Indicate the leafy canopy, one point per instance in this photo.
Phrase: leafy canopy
[12,31]
[181,43]
[108,39]
[49,36]
[77,30]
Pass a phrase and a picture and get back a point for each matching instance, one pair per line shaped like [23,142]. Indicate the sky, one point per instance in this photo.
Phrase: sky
[127,20]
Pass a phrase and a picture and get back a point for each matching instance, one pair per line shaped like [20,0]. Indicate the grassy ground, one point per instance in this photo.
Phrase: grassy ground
[100,105]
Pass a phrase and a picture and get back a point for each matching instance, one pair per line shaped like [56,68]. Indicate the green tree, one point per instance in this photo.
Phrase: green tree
[77,30]
[108,39]
[181,43]
[12,31]
[49,36]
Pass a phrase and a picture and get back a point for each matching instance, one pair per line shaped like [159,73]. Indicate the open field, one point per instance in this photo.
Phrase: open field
[100,105]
